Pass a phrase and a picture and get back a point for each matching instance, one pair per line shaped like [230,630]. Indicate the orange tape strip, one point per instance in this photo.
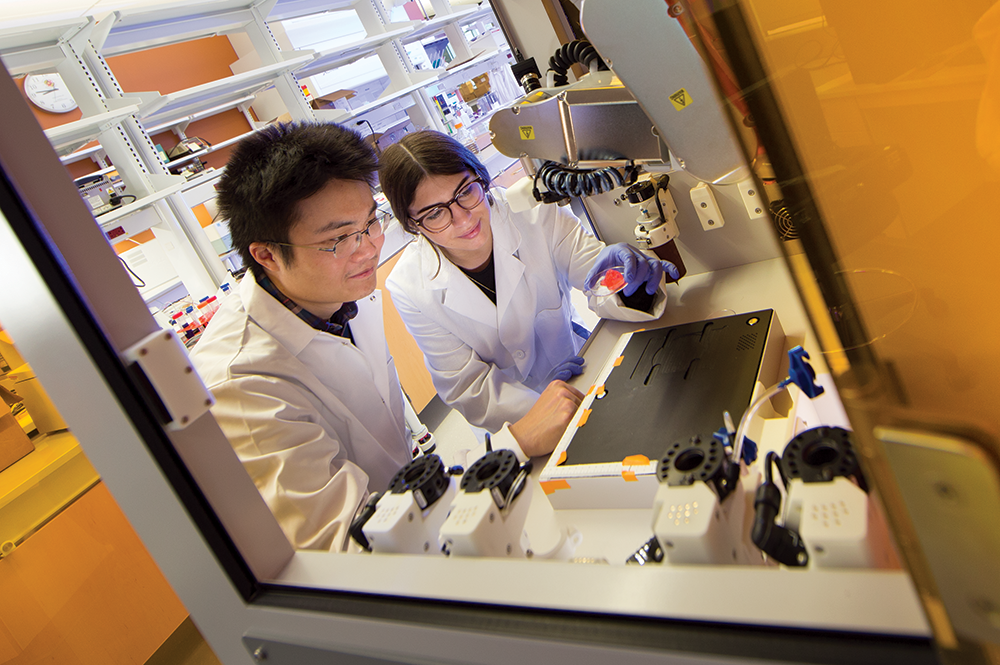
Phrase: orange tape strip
[550,486]
[562,458]
[629,476]
[635,460]
[600,390]
[618,360]
[583,418]
[590,390]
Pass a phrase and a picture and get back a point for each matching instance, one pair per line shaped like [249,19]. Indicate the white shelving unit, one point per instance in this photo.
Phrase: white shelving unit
[76,47]
[344,55]
[112,218]
[422,29]
[67,138]
[220,94]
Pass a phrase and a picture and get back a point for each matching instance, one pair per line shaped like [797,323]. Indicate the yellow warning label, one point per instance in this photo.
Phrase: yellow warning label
[680,99]
[527,132]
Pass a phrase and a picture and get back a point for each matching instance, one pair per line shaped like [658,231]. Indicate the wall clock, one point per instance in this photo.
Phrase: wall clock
[49,93]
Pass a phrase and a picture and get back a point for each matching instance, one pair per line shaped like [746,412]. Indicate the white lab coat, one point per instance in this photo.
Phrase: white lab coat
[491,362]
[316,421]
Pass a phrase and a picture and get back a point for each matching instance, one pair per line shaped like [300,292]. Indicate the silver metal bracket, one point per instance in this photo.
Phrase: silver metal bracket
[162,361]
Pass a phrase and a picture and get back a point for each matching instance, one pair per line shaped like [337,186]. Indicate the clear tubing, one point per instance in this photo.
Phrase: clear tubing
[750,413]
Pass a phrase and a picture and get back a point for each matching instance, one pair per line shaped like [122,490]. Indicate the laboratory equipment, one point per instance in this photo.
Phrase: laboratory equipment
[408,517]
[661,386]
[829,504]
[502,512]
[700,509]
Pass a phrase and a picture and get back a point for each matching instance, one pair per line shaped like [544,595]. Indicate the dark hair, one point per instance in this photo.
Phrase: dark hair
[270,172]
[404,165]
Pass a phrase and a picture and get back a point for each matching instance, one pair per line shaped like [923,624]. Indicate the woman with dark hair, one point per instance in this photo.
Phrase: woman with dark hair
[485,291]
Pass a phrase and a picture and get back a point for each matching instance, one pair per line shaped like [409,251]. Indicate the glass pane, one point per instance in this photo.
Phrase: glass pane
[80,585]
[896,131]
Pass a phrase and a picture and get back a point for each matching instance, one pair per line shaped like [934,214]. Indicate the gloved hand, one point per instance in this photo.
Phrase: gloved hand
[639,268]
[567,369]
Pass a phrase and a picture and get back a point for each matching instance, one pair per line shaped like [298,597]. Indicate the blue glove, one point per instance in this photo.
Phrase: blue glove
[567,369]
[639,268]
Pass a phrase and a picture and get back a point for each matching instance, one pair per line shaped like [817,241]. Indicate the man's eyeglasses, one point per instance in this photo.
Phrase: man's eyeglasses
[345,246]
[440,217]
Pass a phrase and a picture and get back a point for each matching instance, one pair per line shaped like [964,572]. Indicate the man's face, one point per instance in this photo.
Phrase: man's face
[320,281]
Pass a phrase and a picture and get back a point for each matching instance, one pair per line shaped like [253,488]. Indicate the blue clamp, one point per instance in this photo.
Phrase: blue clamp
[725,437]
[801,373]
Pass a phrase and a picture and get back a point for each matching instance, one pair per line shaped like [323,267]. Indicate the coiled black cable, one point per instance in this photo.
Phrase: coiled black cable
[577,51]
[563,182]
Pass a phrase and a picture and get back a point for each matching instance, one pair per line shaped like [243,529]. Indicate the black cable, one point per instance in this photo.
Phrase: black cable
[141,283]
[116,199]
[378,148]
[776,541]
[564,182]
[577,51]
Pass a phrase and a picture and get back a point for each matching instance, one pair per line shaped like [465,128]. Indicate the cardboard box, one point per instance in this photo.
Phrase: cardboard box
[476,88]
[330,100]
[14,443]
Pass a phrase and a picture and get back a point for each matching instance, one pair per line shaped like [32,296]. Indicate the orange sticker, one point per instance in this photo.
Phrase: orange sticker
[618,360]
[550,486]
[583,418]
[600,390]
[635,460]
[590,390]
[562,458]
[629,476]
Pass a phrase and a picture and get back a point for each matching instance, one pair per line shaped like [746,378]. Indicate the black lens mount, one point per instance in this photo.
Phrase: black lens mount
[819,455]
[426,476]
[698,459]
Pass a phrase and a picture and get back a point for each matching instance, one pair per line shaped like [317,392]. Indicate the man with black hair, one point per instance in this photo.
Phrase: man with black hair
[305,387]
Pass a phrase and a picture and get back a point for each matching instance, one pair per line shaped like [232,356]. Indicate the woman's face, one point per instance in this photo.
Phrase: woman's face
[468,242]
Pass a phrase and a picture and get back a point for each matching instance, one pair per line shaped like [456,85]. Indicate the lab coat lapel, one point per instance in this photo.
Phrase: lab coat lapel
[513,294]
[369,337]
[457,292]
[288,329]
[509,269]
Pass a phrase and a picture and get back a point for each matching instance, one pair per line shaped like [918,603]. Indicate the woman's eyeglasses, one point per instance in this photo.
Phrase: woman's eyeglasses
[345,246]
[440,217]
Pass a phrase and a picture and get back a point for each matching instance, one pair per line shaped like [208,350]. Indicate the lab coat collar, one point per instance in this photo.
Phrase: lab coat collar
[295,334]
[456,291]
[291,332]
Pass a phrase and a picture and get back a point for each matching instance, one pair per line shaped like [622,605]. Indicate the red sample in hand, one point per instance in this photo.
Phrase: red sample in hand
[613,280]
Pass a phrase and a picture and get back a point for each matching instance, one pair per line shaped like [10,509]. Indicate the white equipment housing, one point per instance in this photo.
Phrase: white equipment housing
[694,527]
[401,526]
[836,521]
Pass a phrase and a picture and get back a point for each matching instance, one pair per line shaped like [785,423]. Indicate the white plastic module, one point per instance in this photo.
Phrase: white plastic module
[707,208]
[401,526]
[694,527]
[477,527]
[839,525]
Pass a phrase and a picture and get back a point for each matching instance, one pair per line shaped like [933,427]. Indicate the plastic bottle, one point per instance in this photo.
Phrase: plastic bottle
[177,321]
[193,317]
[203,313]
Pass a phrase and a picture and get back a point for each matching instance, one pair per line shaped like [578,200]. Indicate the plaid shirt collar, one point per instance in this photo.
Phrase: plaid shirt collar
[335,326]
